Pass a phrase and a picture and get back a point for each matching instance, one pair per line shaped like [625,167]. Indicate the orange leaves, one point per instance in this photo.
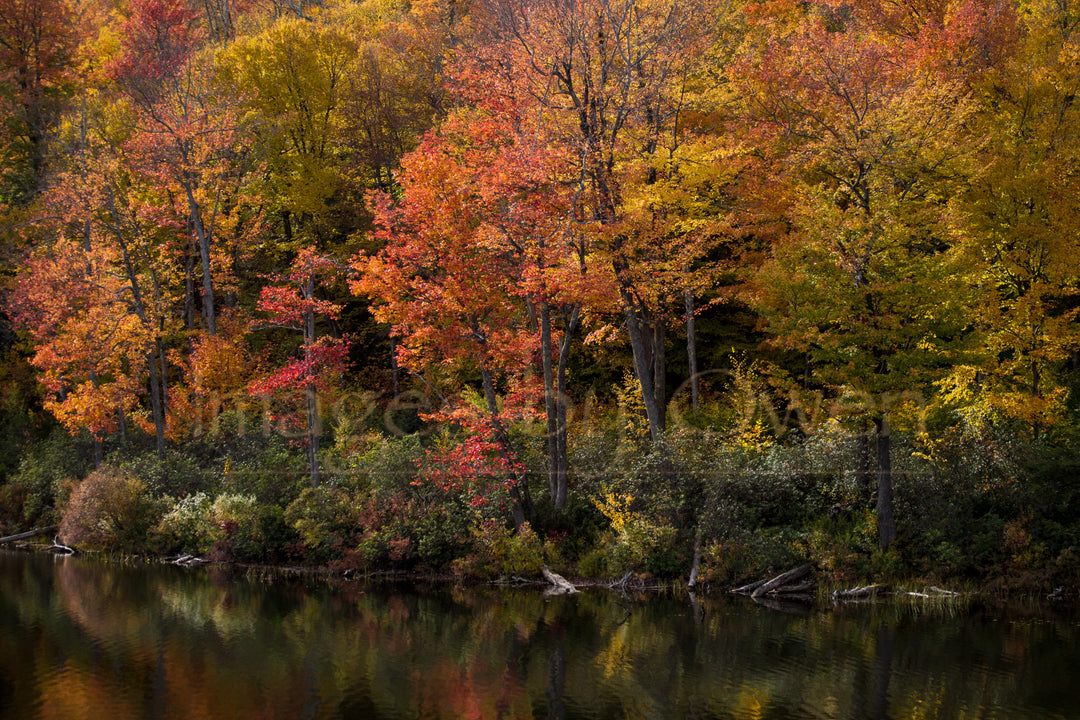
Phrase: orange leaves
[482,213]
[90,347]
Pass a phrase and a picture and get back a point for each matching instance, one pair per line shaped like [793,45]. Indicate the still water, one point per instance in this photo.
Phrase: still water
[81,639]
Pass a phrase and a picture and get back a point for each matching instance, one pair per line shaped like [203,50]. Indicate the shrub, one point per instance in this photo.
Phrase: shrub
[177,475]
[236,519]
[110,511]
[45,472]
[500,550]
[322,517]
[187,527]
[12,500]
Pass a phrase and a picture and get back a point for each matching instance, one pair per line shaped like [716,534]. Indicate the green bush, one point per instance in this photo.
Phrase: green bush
[325,519]
[47,472]
[187,527]
[499,551]
[178,475]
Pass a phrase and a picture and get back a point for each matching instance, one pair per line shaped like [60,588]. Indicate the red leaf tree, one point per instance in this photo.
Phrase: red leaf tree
[469,273]
[292,303]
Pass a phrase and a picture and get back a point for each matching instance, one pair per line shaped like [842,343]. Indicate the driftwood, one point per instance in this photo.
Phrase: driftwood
[933,592]
[27,534]
[751,587]
[783,579]
[57,547]
[561,586]
[858,593]
[801,588]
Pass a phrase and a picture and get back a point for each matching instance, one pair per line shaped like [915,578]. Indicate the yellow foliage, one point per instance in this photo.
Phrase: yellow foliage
[616,508]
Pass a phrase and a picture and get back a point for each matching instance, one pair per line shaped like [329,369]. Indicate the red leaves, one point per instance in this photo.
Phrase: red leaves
[293,304]
[290,303]
[89,347]
[158,40]
[321,363]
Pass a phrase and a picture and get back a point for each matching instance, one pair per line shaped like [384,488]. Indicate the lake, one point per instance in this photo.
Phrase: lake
[84,639]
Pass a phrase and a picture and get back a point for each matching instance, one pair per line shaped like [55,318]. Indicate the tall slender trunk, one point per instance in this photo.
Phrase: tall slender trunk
[691,351]
[644,367]
[312,399]
[886,520]
[204,255]
[157,408]
[310,392]
[550,404]
[157,404]
[395,371]
[659,362]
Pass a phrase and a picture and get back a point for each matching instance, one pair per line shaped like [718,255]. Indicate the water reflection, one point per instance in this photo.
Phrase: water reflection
[80,639]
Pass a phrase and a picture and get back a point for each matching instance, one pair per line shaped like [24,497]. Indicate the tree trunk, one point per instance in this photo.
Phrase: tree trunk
[310,393]
[395,371]
[157,404]
[204,256]
[157,408]
[886,521]
[691,352]
[695,564]
[659,358]
[550,404]
[644,370]
[312,398]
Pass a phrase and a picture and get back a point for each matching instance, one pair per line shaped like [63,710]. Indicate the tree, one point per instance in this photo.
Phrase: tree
[185,129]
[468,276]
[608,79]
[1014,221]
[95,198]
[864,284]
[293,303]
[295,76]
[89,347]
[37,41]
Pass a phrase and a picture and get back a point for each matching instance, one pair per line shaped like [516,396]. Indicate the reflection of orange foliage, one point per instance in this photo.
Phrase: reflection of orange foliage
[479,690]
[74,693]
[89,594]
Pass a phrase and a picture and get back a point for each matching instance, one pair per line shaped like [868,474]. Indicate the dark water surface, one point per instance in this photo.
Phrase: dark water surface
[82,639]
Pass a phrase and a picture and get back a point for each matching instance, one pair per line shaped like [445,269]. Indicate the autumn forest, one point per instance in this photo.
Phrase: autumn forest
[647,287]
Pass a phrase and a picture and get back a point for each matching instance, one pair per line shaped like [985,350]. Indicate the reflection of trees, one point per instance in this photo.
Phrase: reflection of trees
[164,643]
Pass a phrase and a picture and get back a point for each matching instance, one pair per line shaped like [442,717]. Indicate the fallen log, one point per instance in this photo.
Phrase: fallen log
[27,534]
[933,593]
[855,593]
[795,589]
[783,579]
[751,587]
[562,585]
